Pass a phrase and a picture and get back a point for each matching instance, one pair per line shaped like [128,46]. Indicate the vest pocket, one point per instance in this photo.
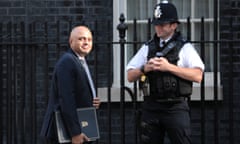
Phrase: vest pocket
[185,87]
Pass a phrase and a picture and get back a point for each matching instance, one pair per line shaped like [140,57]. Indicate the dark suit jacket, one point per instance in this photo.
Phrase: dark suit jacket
[70,90]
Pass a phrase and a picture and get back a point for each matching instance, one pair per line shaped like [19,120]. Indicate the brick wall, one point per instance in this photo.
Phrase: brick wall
[230,70]
[54,10]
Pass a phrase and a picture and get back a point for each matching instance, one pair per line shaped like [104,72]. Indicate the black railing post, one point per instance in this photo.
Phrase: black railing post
[109,80]
[9,86]
[1,82]
[189,29]
[230,84]
[22,130]
[215,38]
[202,45]
[122,27]
[135,85]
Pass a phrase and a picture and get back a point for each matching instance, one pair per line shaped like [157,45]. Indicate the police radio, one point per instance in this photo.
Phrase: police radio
[144,85]
[159,54]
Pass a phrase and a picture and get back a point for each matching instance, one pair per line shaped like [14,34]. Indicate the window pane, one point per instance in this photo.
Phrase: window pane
[141,35]
[183,28]
[208,36]
[140,9]
[208,31]
[203,8]
[183,8]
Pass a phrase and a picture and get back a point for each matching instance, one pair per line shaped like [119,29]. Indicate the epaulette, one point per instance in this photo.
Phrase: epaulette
[184,40]
[181,38]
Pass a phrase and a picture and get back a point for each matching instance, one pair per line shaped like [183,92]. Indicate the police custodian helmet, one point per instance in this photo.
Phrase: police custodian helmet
[165,12]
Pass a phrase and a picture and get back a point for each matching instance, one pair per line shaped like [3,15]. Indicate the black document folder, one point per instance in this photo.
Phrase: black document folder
[88,122]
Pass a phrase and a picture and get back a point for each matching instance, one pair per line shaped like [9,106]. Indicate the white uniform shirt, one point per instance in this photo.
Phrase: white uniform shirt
[188,57]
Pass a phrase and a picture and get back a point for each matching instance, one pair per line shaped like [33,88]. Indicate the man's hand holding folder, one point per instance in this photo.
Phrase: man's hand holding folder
[88,121]
[82,138]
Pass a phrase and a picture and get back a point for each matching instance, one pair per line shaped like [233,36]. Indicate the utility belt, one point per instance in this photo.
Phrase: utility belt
[172,99]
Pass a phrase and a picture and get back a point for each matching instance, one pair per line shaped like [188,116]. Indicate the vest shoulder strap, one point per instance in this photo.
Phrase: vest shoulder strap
[176,42]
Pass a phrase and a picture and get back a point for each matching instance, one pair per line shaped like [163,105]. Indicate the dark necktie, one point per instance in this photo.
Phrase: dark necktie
[162,44]
[89,77]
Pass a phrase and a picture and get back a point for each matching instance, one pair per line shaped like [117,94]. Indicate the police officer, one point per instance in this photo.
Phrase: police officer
[170,64]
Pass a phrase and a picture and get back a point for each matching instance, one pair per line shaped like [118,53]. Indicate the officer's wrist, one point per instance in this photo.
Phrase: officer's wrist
[142,69]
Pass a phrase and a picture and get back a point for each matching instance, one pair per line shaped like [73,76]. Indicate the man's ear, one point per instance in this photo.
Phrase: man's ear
[174,25]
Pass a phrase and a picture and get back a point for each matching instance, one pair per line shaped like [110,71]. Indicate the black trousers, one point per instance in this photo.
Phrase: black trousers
[172,120]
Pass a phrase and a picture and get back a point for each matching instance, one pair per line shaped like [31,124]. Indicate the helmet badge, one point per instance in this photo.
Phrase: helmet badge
[157,12]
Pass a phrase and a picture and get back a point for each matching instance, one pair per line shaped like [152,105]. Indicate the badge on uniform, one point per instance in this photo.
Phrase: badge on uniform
[157,12]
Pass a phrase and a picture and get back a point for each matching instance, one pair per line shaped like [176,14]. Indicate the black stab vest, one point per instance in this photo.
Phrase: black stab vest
[164,85]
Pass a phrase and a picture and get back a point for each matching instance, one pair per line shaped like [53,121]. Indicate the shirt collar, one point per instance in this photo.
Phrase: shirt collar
[80,57]
[166,40]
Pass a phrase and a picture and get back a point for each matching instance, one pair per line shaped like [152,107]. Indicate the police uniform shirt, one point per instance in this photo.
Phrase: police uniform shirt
[188,58]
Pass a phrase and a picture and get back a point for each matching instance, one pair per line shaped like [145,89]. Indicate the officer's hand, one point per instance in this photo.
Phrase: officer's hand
[149,66]
[161,64]
[79,139]
[96,102]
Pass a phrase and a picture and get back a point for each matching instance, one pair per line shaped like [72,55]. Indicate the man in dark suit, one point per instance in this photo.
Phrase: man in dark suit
[72,88]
